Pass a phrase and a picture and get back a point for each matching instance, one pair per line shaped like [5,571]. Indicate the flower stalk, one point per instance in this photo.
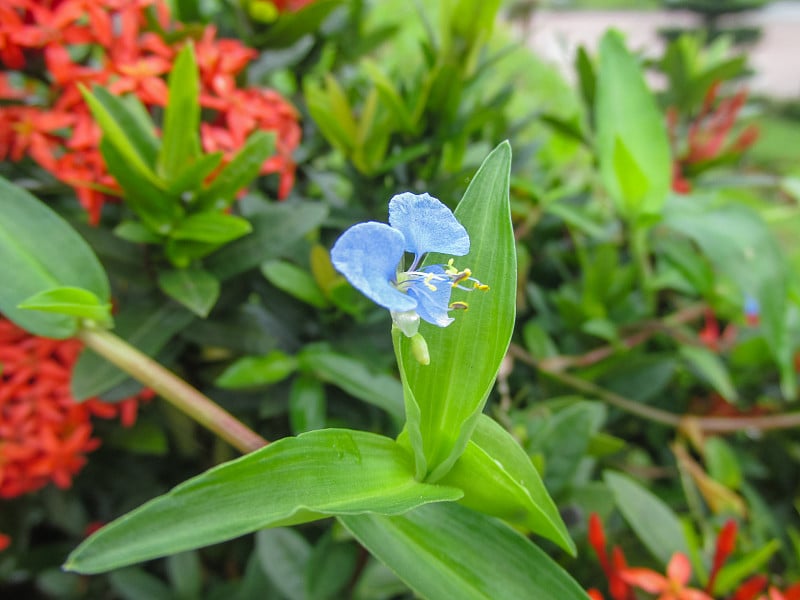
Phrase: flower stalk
[172,388]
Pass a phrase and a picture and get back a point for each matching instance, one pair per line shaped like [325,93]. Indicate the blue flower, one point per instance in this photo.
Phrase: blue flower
[371,256]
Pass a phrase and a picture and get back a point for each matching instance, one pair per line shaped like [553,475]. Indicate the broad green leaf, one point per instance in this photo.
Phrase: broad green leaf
[275,228]
[180,143]
[295,281]
[283,554]
[711,368]
[349,374]
[238,173]
[131,136]
[73,301]
[499,479]
[136,232]
[40,251]
[252,371]
[294,480]
[211,228]
[742,249]
[196,289]
[307,405]
[448,551]
[627,116]
[651,519]
[145,326]
[444,399]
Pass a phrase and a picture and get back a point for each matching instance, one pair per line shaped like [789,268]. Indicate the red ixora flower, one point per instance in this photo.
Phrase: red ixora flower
[612,566]
[671,587]
[44,433]
[116,44]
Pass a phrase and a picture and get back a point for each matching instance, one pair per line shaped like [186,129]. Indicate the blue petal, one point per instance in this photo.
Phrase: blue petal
[432,306]
[428,225]
[367,254]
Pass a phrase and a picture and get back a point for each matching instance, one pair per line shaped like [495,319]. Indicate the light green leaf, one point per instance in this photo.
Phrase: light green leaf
[443,400]
[73,301]
[630,130]
[252,371]
[196,289]
[499,479]
[711,368]
[180,142]
[448,551]
[124,128]
[211,228]
[295,281]
[651,519]
[294,480]
[40,251]
[238,173]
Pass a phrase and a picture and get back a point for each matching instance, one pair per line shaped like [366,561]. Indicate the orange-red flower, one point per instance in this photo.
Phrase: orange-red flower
[5,541]
[612,566]
[44,433]
[671,587]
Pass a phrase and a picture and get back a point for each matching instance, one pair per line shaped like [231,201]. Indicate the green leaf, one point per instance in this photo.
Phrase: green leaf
[275,228]
[157,209]
[651,519]
[330,567]
[185,574]
[294,281]
[292,25]
[499,479]
[180,143]
[238,173]
[350,374]
[211,228]
[145,326]
[283,554]
[136,232]
[73,301]
[137,584]
[40,251]
[307,405]
[711,368]
[442,410]
[294,480]
[189,180]
[627,116]
[732,573]
[448,551]
[131,135]
[252,371]
[196,289]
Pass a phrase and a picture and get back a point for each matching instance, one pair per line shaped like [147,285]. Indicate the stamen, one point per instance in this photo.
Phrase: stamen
[427,282]
[459,305]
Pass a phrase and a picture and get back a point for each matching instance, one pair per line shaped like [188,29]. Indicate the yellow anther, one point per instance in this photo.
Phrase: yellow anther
[450,268]
[480,286]
[465,274]
[459,305]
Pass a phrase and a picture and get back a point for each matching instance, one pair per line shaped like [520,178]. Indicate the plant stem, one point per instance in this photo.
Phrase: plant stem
[705,424]
[172,388]
[641,257]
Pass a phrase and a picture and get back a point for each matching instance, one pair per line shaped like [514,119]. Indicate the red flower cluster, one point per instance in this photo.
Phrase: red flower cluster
[119,44]
[673,586]
[44,433]
[707,138]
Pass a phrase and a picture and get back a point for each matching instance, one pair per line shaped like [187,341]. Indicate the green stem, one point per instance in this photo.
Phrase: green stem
[172,388]
[641,256]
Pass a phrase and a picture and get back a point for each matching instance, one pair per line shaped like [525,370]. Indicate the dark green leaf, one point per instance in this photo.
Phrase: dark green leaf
[283,554]
[294,281]
[211,228]
[252,371]
[133,231]
[448,551]
[275,228]
[307,405]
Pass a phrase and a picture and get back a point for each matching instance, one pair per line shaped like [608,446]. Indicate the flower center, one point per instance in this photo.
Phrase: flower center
[431,280]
